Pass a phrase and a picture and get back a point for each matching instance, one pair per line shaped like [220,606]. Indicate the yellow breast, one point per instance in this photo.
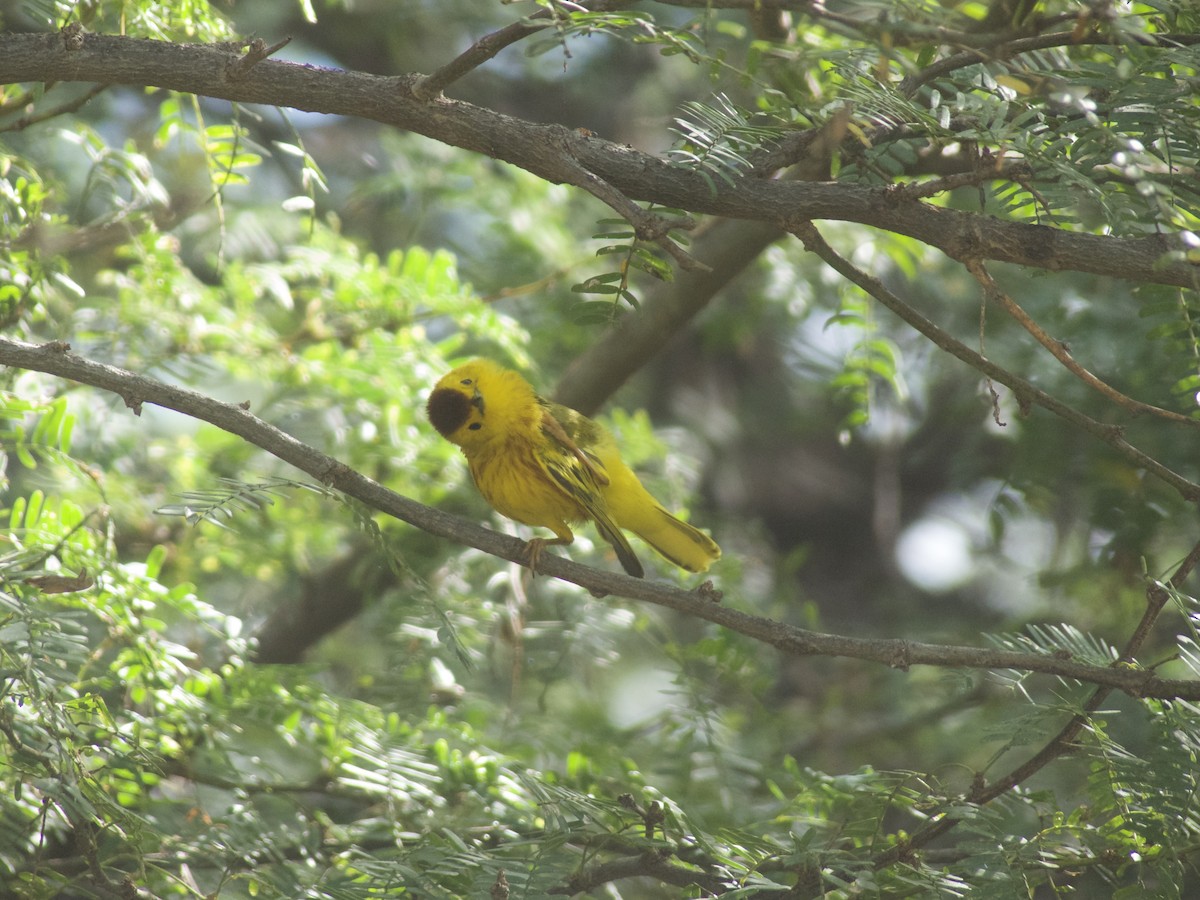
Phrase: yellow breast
[517,486]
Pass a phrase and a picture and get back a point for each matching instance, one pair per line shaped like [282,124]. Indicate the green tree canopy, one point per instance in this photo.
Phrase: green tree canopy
[897,299]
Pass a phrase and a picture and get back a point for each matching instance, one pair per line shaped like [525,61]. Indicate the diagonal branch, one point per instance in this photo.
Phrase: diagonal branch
[704,602]
[1026,392]
[1058,349]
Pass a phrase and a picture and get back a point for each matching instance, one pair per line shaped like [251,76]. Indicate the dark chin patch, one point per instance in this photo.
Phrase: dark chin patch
[448,409]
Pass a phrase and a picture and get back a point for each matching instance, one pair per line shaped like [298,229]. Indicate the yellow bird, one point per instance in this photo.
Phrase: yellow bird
[545,465]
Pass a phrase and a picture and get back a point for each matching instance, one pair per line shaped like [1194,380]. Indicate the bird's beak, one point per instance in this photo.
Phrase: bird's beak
[477,401]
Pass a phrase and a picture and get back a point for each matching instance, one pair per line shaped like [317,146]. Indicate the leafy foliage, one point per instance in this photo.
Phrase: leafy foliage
[713,139]
[470,732]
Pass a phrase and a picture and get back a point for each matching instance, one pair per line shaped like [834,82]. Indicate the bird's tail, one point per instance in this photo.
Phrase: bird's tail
[633,508]
[687,547]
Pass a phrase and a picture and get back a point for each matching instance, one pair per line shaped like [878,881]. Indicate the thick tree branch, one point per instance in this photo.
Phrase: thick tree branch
[204,70]
[703,602]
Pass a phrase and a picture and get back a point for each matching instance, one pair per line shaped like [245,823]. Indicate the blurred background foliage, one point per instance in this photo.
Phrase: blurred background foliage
[256,688]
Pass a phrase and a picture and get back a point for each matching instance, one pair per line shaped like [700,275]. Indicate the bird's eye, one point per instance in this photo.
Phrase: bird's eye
[474,426]
[466,381]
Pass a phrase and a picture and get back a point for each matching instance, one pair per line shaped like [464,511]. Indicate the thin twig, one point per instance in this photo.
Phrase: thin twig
[69,107]
[431,86]
[981,172]
[1058,349]
[20,101]
[651,864]
[897,31]
[1156,598]
[1008,49]
[646,225]
[256,52]
[1025,391]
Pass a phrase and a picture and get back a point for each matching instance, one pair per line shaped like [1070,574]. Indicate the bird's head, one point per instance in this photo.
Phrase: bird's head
[478,402]
[456,407]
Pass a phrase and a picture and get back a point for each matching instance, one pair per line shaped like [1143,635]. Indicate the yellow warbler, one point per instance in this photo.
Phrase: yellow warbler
[549,466]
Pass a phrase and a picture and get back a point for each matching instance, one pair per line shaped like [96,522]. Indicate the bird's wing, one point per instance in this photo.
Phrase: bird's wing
[569,461]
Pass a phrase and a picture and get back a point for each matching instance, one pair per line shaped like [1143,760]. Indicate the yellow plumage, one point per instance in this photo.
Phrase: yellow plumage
[549,466]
